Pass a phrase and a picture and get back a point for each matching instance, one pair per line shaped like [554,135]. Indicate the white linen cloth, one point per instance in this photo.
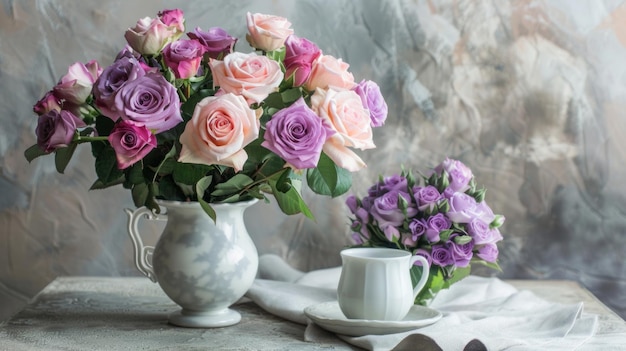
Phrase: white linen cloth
[478,313]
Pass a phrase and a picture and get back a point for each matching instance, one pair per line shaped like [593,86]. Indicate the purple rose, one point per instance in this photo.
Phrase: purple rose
[183,57]
[427,197]
[373,100]
[386,211]
[111,80]
[425,254]
[418,227]
[150,100]
[459,174]
[481,233]
[394,182]
[56,129]
[131,142]
[297,135]
[461,253]
[391,233]
[488,252]
[441,255]
[217,42]
[435,224]
[351,202]
[300,54]
[464,208]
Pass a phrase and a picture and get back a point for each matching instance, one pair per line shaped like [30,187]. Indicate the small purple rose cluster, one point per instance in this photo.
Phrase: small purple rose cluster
[446,220]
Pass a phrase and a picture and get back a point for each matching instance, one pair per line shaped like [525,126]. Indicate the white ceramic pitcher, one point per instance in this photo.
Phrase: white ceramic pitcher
[375,283]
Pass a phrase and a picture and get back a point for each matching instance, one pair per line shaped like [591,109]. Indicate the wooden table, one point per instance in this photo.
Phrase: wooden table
[93,313]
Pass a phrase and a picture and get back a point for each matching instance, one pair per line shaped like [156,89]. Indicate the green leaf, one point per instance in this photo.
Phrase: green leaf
[492,265]
[201,186]
[233,185]
[140,194]
[33,152]
[188,107]
[189,173]
[290,202]
[328,179]
[63,156]
[134,175]
[106,166]
[289,96]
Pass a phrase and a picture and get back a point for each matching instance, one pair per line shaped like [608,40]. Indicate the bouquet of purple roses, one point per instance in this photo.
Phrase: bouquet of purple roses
[190,119]
[446,220]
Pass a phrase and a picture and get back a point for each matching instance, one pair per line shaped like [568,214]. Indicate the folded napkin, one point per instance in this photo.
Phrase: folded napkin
[478,313]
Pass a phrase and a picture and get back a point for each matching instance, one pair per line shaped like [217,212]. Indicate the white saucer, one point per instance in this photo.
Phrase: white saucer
[328,315]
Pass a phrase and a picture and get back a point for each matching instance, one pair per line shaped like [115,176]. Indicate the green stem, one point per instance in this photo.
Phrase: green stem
[89,139]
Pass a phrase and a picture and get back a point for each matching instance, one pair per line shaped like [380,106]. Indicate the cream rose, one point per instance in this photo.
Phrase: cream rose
[267,32]
[221,126]
[330,71]
[344,112]
[250,75]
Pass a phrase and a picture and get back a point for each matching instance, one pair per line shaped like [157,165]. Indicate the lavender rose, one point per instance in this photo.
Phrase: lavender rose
[373,100]
[425,254]
[427,197]
[441,255]
[217,42]
[131,142]
[459,174]
[386,211]
[464,208]
[127,68]
[435,224]
[461,253]
[56,129]
[297,135]
[183,57]
[150,100]
[481,233]
[488,252]
[300,53]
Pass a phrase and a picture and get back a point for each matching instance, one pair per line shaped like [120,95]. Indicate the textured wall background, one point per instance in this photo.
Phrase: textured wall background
[529,94]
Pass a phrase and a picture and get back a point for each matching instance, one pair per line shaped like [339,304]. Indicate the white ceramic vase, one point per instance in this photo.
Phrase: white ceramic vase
[202,266]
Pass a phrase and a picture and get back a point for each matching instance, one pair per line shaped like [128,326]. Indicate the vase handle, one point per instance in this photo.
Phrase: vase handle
[143,253]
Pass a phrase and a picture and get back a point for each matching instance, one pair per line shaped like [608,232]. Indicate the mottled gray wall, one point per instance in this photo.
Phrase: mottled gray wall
[530,94]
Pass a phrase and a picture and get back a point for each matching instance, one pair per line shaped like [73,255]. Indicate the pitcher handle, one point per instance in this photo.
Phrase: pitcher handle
[143,253]
[425,272]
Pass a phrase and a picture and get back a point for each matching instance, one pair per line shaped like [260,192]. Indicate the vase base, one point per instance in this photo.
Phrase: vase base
[196,319]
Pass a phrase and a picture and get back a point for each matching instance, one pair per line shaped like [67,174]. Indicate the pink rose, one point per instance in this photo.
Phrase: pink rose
[184,57]
[75,86]
[131,142]
[56,129]
[173,18]
[344,112]
[250,75]
[330,71]
[300,54]
[221,126]
[47,103]
[267,32]
[149,35]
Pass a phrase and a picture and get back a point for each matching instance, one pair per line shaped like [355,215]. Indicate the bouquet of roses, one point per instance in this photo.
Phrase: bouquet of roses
[190,119]
[446,220]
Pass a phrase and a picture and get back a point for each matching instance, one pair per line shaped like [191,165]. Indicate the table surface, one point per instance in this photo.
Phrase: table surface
[96,313]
